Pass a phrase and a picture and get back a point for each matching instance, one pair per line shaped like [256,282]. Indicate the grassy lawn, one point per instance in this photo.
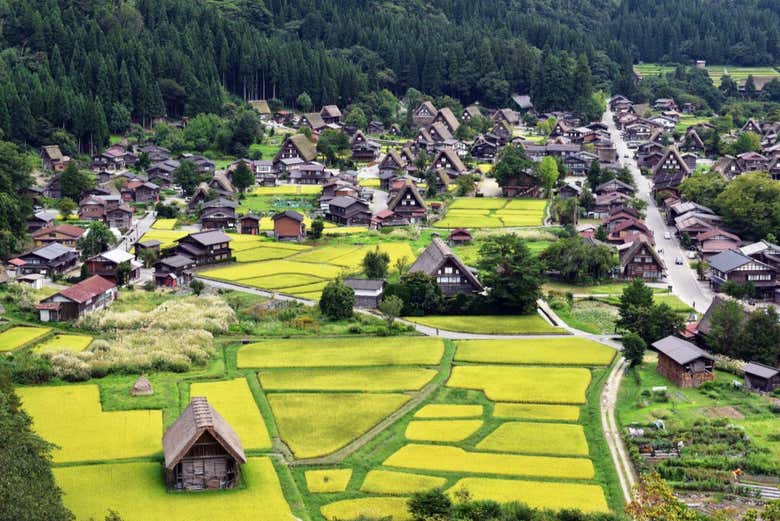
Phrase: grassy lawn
[491,325]
[339,418]
[72,418]
[523,384]
[611,288]
[268,150]
[556,351]
[19,336]
[341,352]
[137,492]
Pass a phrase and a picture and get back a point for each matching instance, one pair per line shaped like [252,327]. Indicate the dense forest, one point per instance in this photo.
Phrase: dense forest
[90,68]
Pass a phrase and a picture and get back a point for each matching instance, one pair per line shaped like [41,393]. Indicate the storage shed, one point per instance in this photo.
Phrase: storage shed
[684,363]
[760,377]
[201,450]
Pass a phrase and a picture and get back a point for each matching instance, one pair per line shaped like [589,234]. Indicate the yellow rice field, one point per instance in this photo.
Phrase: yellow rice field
[532,411]
[524,384]
[58,342]
[19,336]
[446,410]
[369,507]
[454,459]
[390,482]
[442,430]
[359,379]
[553,351]
[324,481]
[341,352]
[537,438]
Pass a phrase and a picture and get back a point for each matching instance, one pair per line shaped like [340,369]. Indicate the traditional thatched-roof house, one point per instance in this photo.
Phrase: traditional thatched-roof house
[142,387]
[452,276]
[201,450]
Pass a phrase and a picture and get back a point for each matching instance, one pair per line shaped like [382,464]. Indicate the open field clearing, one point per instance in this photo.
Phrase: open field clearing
[715,72]
[238,272]
[553,351]
[390,482]
[491,324]
[442,430]
[287,190]
[445,410]
[537,494]
[524,384]
[75,343]
[612,288]
[233,400]
[285,280]
[480,203]
[454,459]
[537,438]
[19,336]
[526,204]
[167,238]
[368,507]
[323,481]
[164,224]
[363,379]
[262,253]
[137,492]
[71,417]
[341,352]
[531,411]
[316,424]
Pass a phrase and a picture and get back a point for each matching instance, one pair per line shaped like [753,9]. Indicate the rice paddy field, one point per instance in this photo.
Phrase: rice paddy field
[491,325]
[363,421]
[299,270]
[19,336]
[715,72]
[164,224]
[493,212]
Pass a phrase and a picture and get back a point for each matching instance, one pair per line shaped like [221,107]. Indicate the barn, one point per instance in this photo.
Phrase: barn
[202,452]
[684,363]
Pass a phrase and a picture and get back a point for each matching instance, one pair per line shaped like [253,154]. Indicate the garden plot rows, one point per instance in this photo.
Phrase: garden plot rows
[493,213]
[301,271]
[511,432]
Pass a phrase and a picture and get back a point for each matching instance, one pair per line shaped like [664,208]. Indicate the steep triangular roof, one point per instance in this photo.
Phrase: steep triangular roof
[409,188]
[435,255]
[628,255]
[198,418]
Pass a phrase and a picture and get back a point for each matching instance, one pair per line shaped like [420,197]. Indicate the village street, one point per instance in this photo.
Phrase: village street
[680,276]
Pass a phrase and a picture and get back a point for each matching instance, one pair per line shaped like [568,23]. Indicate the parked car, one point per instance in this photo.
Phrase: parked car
[678,260]
[667,235]
[691,254]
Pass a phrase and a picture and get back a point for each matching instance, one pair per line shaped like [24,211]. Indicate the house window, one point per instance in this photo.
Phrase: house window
[759,276]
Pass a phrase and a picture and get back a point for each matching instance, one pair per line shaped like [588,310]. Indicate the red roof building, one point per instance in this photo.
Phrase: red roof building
[71,303]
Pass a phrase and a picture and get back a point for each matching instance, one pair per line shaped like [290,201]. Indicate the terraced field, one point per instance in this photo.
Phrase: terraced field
[299,270]
[493,213]
[715,72]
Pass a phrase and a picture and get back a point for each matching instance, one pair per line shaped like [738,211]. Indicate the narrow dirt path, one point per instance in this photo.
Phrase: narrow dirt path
[617,449]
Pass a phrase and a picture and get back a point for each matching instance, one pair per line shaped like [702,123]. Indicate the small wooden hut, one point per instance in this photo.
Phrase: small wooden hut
[201,450]
[142,387]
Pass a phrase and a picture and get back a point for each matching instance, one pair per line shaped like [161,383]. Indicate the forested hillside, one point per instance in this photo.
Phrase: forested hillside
[89,68]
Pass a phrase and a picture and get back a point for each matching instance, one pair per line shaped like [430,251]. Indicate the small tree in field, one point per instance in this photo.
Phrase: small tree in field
[633,348]
[316,228]
[243,177]
[391,309]
[197,286]
[337,300]
[376,263]
[66,206]
[434,504]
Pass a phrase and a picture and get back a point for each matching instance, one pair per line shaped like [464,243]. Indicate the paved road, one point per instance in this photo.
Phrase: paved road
[139,228]
[681,277]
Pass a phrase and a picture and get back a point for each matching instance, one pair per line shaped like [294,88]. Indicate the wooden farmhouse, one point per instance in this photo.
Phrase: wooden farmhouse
[65,234]
[107,265]
[174,271]
[733,265]
[71,303]
[407,203]
[682,362]
[452,276]
[205,247]
[640,260]
[49,260]
[289,226]
[202,452]
[249,224]
[424,114]
[760,377]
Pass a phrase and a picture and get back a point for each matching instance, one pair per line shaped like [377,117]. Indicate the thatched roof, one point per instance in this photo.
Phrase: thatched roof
[199,417]
[435,255]
[142,387]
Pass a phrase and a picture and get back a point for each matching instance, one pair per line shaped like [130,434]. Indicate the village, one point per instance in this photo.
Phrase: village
[317,336]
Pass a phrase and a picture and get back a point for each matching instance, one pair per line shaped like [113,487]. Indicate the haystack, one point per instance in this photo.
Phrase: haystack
[142,387]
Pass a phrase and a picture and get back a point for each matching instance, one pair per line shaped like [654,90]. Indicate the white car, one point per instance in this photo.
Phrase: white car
[678,260]
[667,235]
